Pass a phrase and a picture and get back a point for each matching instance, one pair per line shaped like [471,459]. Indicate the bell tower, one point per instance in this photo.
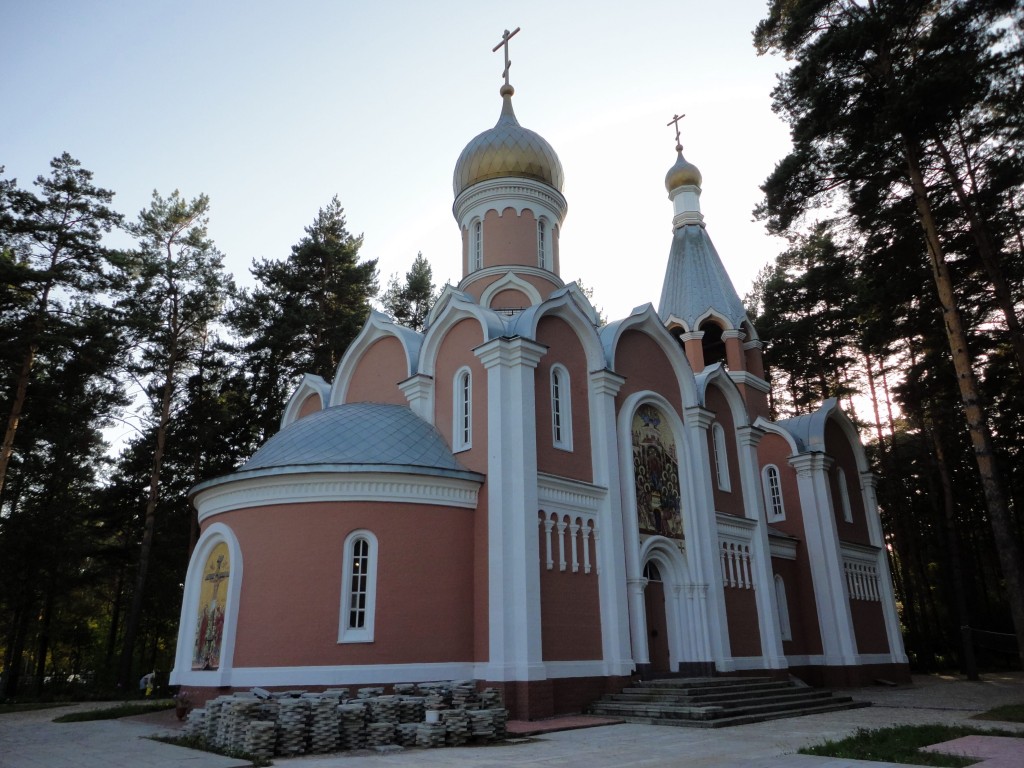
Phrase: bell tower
[699,304]
[509,206]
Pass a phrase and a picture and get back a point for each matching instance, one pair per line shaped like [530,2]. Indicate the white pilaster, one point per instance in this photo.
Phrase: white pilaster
[868,483]
[515,651]
[702,539]
[419,391]
[609,545]
[834,618]
[761,561]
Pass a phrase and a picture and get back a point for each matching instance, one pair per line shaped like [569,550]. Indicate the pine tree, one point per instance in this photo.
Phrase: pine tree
[303,313]
[410,303]
[52,261]
[180,294]
[876,89]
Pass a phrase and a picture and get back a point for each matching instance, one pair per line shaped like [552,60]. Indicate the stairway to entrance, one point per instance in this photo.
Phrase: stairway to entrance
[715,702]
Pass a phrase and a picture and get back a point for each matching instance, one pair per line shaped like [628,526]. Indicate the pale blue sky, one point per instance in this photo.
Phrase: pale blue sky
[272,108]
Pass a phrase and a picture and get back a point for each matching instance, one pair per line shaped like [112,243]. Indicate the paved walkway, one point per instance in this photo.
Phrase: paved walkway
[32,740]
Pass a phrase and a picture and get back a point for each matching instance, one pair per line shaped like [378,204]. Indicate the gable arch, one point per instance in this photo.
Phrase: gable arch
[571,306]
[510,281]
[378,326]
[716,376]
[645,320]
[459,307]
[183,674]
[310,386]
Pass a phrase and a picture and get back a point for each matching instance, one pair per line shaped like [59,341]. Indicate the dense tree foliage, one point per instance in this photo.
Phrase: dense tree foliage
[906,119]
[303,313]
[409,303]
[93,541]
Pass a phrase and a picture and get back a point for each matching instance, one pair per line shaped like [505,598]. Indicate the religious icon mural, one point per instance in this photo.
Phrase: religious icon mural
[656,474]
[210,620]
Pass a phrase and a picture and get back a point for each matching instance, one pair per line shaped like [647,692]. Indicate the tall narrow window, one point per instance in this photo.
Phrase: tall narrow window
[462,411]
[785,629]
[773,493]
[561,408]
[359,588]
[478,245]
[542,244]
[721,457]
[844,495]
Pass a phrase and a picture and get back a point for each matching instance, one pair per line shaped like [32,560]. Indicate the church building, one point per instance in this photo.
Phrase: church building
[553,506]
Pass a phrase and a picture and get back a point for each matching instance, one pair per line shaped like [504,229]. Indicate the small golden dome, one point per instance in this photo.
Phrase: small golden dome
[507,150]
[681,174]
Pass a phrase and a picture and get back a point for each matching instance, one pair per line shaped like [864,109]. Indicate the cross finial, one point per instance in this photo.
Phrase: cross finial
[504,44]
[675,121]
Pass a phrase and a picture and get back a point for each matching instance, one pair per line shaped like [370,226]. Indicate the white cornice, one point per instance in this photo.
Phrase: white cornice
[517,193]
[565,492]
[750,380]
[501,270]
[390,487]
[735,528]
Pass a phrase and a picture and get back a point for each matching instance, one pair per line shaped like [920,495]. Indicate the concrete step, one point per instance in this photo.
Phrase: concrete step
[714,702]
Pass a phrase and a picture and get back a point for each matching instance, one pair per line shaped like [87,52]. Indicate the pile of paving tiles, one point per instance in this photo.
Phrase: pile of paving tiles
[293,723]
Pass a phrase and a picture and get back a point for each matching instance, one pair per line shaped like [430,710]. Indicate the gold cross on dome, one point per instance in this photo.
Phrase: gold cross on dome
[504,43]
[675,121]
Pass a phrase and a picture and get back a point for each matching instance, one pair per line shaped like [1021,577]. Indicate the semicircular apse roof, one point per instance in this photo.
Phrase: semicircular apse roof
[366,436]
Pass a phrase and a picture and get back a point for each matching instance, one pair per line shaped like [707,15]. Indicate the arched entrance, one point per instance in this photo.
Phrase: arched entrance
[657,620]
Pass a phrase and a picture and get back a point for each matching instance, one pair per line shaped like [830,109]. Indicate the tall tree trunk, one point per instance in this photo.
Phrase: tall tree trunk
[1008,549]
[145,550]
[43,641]
[988,254]
[968,664]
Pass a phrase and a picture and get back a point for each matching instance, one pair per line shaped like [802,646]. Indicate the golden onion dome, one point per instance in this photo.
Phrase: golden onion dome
[683,173]
[507,150]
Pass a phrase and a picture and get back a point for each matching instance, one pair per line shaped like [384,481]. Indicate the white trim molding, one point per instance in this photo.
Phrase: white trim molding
[314,486]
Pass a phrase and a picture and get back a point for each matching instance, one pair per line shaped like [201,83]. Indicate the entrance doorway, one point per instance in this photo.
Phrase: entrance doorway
[657,626]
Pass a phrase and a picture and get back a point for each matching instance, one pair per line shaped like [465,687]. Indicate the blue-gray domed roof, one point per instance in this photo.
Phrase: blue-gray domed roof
[358,436]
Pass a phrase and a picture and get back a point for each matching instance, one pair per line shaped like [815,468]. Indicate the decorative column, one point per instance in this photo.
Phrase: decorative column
[702,545]
[734,357]
[608,538]
[638,620]
[868,484]
[694,349]
[515,651]
[826,560]
[419,391]
[761,557]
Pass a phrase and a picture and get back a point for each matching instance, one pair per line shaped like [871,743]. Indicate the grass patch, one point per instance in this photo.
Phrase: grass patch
[198,742]
[1008,713]
[112,713]
[28,706]
[900,744]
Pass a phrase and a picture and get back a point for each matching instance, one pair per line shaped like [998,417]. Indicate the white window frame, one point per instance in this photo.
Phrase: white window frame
[785,628]
[346,632]
[771,481]
[543,244]
[462,410]
[844,495]
[721,457]
[561,408]
[476,244]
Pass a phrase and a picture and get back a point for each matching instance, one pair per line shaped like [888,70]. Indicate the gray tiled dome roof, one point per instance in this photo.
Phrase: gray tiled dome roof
[363,434]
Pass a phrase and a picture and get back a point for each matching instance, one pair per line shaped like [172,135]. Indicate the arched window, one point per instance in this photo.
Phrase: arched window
[462,411]
[359,588]
[561,408]
[844,495]
[780,599]
[477,244]
[721,457]
[543,247]
[773,493]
